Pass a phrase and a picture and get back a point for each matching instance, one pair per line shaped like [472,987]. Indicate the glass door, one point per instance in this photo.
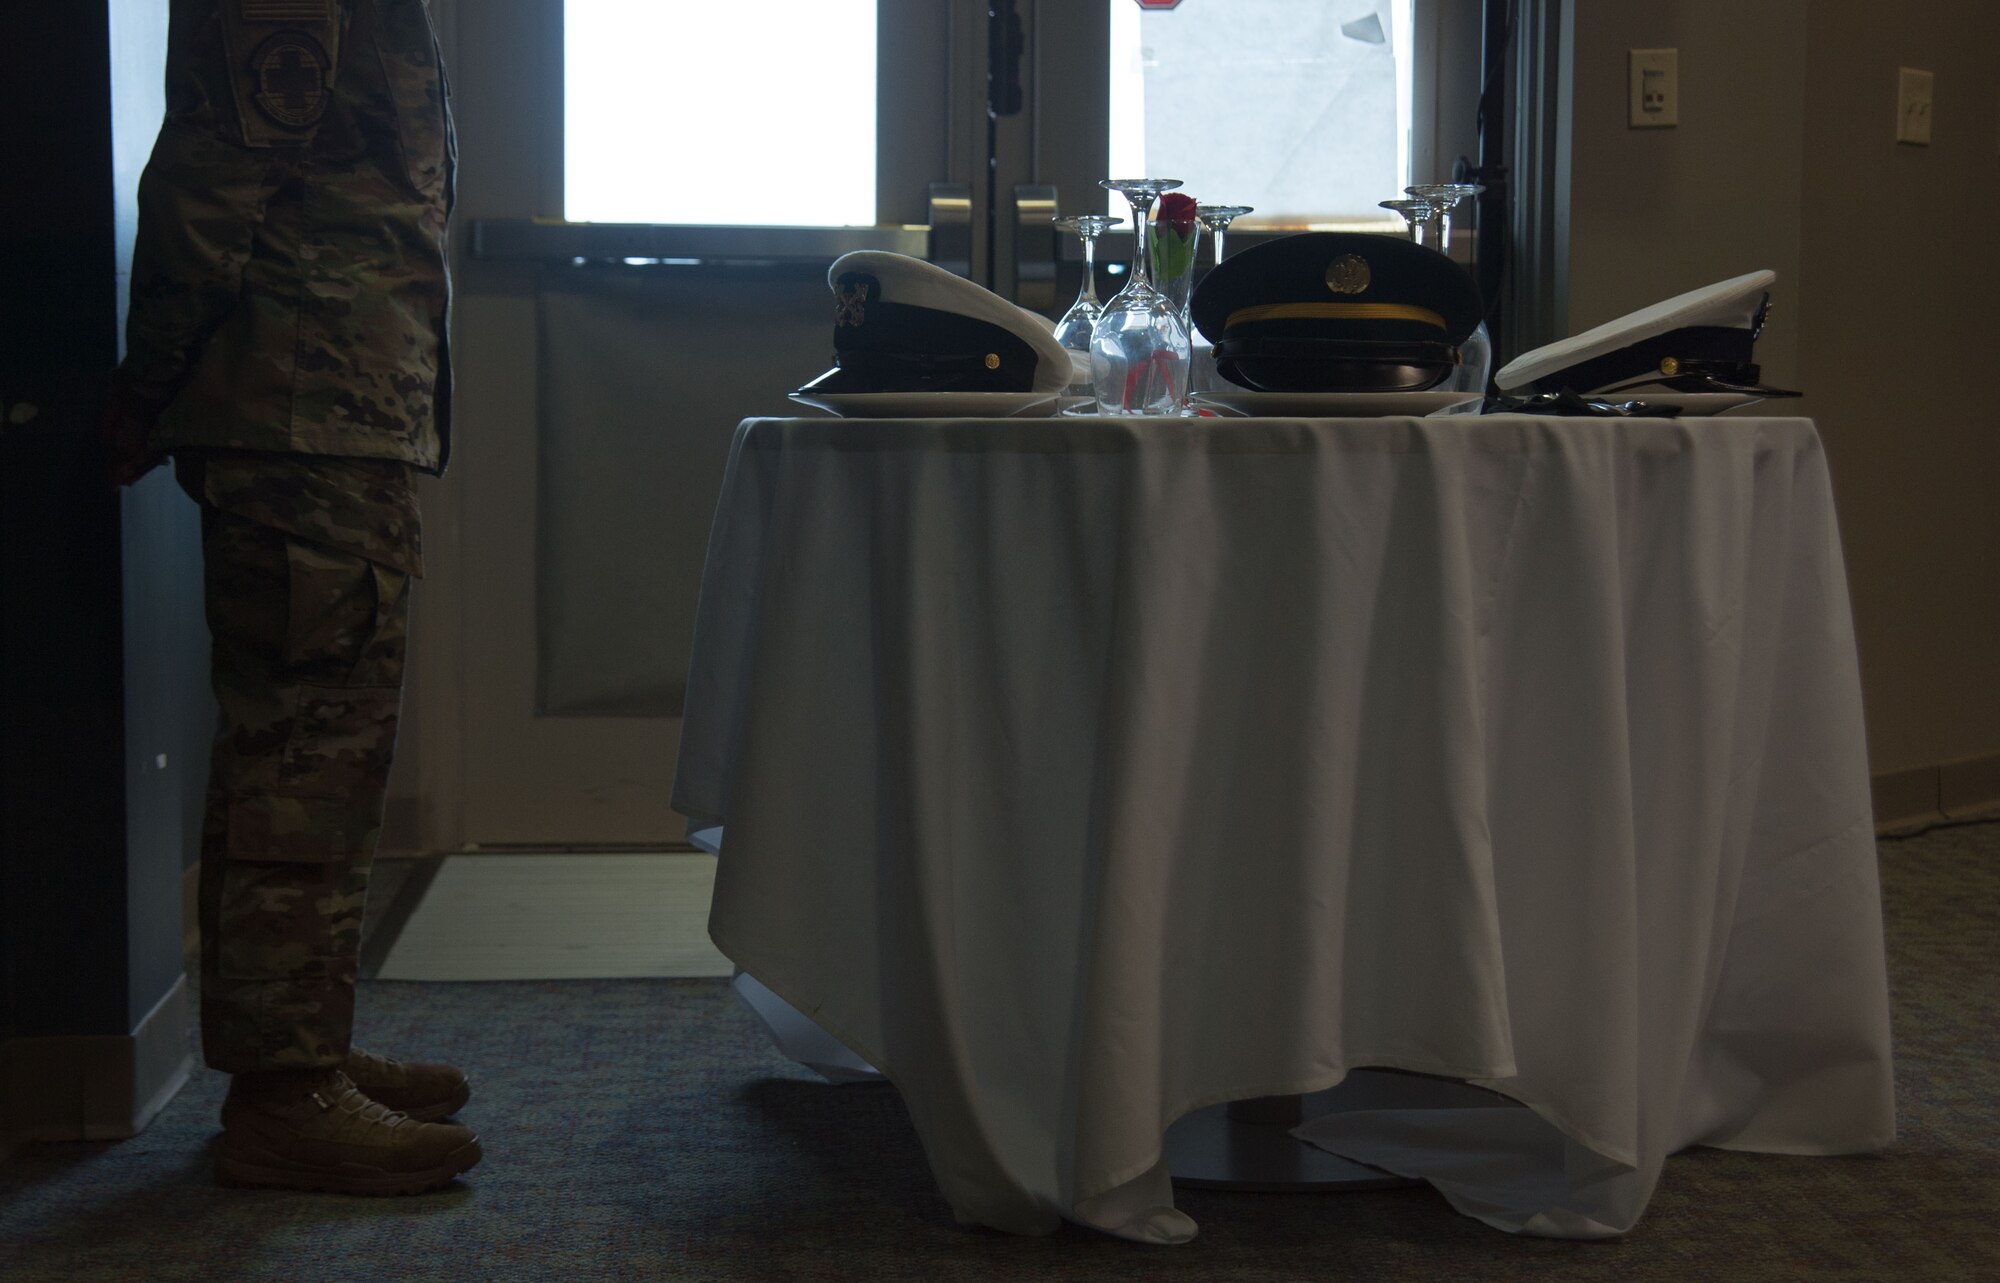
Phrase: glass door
[1300,111]
[650,194]
[1310,113]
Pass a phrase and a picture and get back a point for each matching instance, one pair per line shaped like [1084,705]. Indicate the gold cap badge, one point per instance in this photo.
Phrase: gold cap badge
[850,302]
[1348,274]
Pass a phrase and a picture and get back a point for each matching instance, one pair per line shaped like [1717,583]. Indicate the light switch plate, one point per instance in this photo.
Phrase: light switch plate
[1913,106]
[1656,90]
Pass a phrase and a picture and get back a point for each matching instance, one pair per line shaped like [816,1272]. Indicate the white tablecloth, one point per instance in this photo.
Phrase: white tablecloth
[1078,774]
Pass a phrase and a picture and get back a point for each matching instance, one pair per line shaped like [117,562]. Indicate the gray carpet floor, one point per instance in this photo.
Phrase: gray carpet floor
[647,1130]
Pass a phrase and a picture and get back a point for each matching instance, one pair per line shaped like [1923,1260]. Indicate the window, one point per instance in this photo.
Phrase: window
[682,111]
[691,112]
[1300,108]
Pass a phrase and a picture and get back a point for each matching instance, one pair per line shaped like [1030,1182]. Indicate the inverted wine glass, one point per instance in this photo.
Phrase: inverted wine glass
[1217,218]
[1201,353]
[1430,209]
[1416,213]
[1139,346]
[1075,326]
[1476,353]
[1442,198]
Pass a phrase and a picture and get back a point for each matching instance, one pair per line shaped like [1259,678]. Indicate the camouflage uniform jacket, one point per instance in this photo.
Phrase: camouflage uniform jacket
[289,283]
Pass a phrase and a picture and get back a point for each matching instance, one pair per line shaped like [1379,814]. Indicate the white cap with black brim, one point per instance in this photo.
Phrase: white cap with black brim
[1700,341]
[904,325]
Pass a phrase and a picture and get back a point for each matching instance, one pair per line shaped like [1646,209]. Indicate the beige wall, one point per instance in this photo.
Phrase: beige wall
[1888,262]
[1654,212]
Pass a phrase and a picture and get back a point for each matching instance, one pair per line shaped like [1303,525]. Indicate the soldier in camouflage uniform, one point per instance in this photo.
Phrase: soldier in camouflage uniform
[287,345]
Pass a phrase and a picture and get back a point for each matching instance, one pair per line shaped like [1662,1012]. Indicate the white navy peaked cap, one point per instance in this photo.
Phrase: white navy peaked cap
[903,325]
[1685,341]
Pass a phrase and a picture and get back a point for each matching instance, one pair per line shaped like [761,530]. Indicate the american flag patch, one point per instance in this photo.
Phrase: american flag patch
[284,10]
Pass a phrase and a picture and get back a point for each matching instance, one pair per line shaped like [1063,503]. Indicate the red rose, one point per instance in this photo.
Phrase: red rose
[1177,212]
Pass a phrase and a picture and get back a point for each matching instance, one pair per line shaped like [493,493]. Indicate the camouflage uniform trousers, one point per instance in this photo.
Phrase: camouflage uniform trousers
[307,564]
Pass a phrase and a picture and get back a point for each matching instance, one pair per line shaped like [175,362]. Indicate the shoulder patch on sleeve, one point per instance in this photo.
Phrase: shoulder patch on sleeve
[289,73]
[283,56]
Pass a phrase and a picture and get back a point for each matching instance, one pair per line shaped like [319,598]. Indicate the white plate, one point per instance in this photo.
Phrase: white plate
[1333,405]
[932,405]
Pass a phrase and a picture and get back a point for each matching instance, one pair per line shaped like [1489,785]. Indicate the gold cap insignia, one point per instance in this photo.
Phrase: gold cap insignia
[992,360]
[1348,274]
[1669,365]
[850,302]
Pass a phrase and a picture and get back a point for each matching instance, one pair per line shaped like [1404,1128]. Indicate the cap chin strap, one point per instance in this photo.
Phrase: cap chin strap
[905,347]
[1334,312]
[935,372]
[1321,365]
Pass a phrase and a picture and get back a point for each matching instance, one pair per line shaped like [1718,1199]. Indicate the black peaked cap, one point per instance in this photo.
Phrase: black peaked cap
[1345,286]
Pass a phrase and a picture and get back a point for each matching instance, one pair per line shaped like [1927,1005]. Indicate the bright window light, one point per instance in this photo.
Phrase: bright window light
[686,111]
[1300,110]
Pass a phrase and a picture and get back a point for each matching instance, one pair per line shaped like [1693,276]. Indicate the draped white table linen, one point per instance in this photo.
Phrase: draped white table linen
[1077,774]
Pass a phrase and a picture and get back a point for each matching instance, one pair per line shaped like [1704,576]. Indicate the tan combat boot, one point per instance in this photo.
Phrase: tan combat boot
[426,1092]
[310,1129]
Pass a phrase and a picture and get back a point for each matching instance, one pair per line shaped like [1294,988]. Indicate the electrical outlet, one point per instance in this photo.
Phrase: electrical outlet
[1656,90]
[1913,106]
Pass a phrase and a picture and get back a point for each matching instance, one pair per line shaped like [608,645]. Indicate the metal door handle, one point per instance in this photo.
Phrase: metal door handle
[950,244]
[1034,285]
